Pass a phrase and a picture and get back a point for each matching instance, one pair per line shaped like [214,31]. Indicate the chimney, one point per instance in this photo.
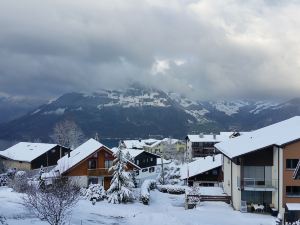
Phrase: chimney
[69,153]
[214,136]
[213,157]
[201,135]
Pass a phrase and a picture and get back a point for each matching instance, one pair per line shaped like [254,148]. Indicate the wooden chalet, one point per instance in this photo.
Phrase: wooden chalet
[30,156]
[90,163]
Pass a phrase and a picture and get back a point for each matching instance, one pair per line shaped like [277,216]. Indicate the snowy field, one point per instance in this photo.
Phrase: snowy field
[164,209]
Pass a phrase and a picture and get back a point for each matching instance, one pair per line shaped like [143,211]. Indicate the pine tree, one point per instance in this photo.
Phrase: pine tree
[128,157]
[121,184]
[41,181]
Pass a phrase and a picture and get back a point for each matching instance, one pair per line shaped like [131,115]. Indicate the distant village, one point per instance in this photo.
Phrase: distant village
[256,171]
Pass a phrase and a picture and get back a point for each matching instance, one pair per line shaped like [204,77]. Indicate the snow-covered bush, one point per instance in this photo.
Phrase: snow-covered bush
[82,192]
[193,195]
[170,175]
[145,190]
[53,204]
[20,181]
[3,220]
[3,179]
[171,189]
[293,223]
[121,183]
[95,191]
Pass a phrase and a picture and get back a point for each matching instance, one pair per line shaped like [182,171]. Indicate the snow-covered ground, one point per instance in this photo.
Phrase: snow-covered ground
[164,209]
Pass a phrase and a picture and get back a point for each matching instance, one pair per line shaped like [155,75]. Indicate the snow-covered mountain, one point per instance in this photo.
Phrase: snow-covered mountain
[139,112]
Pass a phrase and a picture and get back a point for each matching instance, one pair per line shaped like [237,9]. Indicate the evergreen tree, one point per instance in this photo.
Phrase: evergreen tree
[121,184]
[128,157]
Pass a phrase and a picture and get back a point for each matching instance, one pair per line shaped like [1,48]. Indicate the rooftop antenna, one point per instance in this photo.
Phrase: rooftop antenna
[97,137]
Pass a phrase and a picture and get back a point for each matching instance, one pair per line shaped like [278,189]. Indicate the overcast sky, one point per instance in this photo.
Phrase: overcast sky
[205,49]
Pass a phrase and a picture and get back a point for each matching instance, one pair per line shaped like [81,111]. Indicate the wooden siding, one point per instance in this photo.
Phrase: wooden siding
[291,151]
[49,158]
[258,158]
[209,176]
[144,160]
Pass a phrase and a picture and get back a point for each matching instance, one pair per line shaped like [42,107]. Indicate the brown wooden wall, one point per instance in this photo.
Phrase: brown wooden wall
[81,169]
[291,151]
[258,158]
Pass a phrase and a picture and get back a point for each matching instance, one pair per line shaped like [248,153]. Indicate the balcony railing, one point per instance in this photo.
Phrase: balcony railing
[259,184]
[98,172]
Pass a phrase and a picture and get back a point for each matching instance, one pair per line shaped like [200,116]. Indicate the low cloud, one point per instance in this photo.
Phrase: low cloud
[207,49]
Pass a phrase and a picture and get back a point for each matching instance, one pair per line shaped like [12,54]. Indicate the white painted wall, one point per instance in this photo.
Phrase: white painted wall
[280,183]
[236,191]
[275,176]
[82,181]
[227,175]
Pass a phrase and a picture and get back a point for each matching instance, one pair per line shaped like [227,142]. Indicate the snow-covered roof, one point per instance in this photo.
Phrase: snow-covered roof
[26,151]
[77,155]
[172,141]
[200,165]
[139,144]
[165,161]
[277,134]
[209,137]
[293,206]
[80,153]
[133,152]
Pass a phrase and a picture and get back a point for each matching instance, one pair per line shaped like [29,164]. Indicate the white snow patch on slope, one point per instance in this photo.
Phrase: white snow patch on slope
[260,106]
[59,111]
[229,108]
[198,114]
[147,99]
[36,111]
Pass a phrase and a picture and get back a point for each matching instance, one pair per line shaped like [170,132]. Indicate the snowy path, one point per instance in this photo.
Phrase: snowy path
[164,209]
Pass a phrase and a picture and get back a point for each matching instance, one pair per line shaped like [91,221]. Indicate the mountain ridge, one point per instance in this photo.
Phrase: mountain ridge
[139,112]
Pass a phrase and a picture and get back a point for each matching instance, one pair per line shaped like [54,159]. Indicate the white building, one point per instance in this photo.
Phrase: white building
[259,168]
[203,144]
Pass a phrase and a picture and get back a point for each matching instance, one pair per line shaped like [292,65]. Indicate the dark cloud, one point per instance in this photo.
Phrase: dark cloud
[204,49]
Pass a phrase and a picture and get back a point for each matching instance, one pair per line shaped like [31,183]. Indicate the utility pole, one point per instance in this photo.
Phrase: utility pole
[162,169]
[187,162]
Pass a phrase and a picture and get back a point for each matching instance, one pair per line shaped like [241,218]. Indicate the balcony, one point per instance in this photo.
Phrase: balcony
[99,172]
[254,184]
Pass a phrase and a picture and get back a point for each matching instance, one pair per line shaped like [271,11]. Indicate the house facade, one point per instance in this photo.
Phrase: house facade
[259,168]
[203,172]
[166,145]
[145,160]
[202,145]
[30,156]
[89,164]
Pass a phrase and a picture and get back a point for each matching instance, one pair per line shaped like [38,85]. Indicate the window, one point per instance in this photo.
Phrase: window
[108,163]
[151,159]
[137,162]
[215,172]
[291,163]
[92,164]
[92,180]
[292,191]
[151,169]
[144,170]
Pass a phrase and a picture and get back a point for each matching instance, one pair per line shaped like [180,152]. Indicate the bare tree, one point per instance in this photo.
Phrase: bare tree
[53,203]
[68,134]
